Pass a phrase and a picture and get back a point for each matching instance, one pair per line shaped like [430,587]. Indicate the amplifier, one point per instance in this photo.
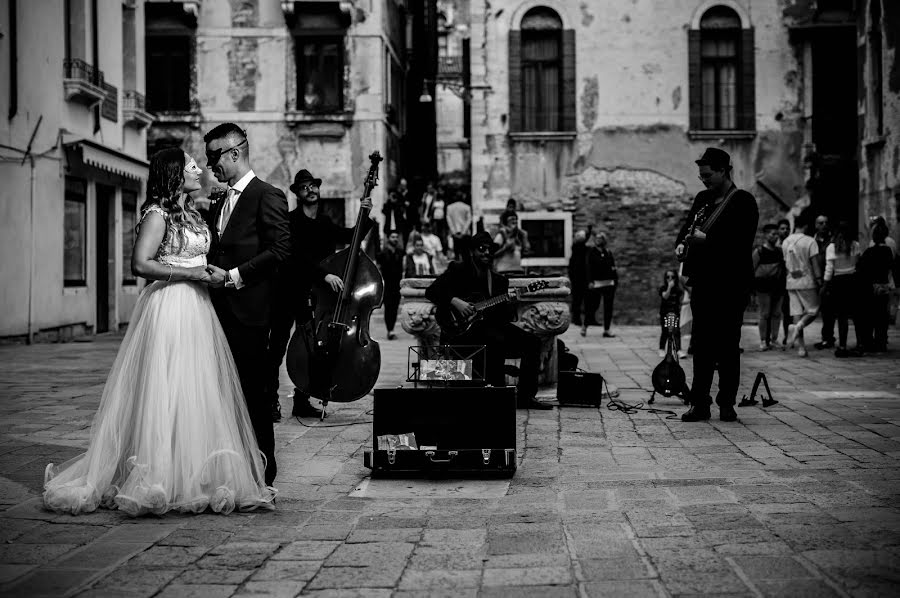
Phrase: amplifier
[579,389]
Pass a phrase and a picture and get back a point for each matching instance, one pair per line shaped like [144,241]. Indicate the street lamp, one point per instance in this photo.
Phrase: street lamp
[425,98]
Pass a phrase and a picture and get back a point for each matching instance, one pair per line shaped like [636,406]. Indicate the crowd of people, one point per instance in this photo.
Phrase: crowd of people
[824,273]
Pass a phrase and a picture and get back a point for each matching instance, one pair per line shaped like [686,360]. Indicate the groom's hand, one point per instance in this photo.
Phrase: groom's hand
[216,276]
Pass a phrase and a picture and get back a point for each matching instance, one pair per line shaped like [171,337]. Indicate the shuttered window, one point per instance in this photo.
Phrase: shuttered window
[541,74]
[721,72]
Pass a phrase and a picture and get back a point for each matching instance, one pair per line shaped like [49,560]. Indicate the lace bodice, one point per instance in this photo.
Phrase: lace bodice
[185,251]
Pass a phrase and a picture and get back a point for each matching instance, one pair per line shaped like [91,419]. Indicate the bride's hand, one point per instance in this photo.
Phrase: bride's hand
[199,274]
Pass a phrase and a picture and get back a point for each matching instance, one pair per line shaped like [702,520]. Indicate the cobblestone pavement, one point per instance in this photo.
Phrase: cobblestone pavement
[799,499]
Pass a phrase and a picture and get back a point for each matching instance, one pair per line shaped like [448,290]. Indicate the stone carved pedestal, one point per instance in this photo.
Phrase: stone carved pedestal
[544,313]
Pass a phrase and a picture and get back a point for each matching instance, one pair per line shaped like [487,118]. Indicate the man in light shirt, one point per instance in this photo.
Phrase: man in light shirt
[804,279]
[459,223]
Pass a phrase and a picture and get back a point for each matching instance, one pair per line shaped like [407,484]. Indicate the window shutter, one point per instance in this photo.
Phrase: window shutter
[515,81]
[748,82]
[695,88]
[569,86]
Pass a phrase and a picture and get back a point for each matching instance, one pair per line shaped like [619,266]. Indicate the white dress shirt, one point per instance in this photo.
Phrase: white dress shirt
[231,203]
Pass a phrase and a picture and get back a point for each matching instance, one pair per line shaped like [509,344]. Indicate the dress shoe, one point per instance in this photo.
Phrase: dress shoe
[829,344]
[608,334]
[532,403]
[696,413]
[276,411]
[303,408]
[391,336]
[727,413]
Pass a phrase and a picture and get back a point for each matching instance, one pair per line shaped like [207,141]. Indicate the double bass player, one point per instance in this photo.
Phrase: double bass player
[314,237]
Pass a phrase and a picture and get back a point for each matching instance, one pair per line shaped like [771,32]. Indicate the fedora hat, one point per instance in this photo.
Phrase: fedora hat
[714,158]
[484,238]
[302,177]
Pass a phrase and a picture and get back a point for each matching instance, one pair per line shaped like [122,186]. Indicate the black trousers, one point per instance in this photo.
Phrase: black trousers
[578,291]
[391,303]
[503,341]
[828,312]
[592,303]
[248,347]
[285,314]
[716,342]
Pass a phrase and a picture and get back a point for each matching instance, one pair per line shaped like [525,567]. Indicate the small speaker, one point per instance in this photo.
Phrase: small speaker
[579,389]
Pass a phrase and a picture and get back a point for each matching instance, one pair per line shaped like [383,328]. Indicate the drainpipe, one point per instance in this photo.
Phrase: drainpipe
[31,259]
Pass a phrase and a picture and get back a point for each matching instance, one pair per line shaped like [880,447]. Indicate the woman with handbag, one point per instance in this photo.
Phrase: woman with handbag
[769,277]
[841,256]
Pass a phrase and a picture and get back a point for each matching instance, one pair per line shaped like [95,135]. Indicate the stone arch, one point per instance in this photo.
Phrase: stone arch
[732,4]
[561,8]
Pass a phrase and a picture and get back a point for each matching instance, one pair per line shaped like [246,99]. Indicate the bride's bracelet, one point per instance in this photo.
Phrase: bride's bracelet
[171,271]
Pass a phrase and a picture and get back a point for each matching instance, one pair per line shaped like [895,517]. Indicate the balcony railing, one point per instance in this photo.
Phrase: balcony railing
[134,109]
[83,82]
[133,100]
[76,68]
[450,67]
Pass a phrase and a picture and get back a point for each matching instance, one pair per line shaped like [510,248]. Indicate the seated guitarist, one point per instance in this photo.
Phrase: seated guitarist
[462,282]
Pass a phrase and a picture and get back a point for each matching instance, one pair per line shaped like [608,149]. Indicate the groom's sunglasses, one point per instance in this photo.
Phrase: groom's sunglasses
[213,156]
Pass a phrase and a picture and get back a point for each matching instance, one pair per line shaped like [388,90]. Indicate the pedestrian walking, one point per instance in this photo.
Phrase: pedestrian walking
[826,309]
[577,273]
[784,231]
[769,277]
[804,280]
[877,264]
[670,295]
[459,223]
[395,216]
[390,261]
[841,286]
[602,278]
[715,246]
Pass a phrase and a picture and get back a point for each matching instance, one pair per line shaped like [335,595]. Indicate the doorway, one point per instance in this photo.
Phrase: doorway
[105,231]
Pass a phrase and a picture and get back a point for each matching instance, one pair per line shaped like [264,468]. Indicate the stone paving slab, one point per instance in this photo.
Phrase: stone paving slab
[799,499]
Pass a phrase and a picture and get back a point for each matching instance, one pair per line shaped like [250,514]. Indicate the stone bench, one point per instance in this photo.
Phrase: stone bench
[544,313]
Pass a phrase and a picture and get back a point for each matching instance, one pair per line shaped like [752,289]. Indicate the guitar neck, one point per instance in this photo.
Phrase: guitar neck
[481,305]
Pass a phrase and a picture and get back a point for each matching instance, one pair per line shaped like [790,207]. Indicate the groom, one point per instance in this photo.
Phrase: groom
[252,237]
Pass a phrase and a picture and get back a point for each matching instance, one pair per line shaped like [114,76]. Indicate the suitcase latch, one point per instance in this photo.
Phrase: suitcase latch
[392,455]
[486,455]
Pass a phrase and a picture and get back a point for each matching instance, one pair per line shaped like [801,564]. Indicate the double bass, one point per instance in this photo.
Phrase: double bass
[332,357]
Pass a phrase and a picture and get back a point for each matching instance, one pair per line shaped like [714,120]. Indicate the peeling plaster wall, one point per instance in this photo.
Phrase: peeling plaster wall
[632,118]
[244,73]
[879,168]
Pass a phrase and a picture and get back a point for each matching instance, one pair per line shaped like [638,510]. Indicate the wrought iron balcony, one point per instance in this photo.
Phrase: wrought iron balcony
[450,67]
[134,109]
[83,82]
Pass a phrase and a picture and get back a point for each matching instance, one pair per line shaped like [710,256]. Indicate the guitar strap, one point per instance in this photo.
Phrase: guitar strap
[719,209]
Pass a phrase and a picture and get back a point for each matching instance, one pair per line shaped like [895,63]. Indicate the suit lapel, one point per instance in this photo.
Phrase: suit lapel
[242,207]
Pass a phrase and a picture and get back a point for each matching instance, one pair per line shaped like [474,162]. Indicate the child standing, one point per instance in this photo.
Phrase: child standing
[670,293]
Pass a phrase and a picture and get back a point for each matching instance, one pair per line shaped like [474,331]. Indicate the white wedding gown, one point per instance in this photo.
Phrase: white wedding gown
[172,431]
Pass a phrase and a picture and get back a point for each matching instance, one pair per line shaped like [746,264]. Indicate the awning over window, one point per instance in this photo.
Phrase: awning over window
[110,160]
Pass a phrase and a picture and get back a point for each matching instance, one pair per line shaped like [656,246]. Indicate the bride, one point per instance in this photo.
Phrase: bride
[172,431]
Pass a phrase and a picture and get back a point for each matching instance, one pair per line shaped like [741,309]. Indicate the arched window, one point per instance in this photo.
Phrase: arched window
[542,74]
[721,73]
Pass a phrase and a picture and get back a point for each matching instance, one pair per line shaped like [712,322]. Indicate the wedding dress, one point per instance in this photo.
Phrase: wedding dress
[172,431]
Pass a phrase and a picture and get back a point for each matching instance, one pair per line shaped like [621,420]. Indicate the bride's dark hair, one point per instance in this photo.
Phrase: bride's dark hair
[164,185]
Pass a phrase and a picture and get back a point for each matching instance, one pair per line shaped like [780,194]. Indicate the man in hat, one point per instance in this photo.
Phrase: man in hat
[715,245]
[314,236]
[472,277]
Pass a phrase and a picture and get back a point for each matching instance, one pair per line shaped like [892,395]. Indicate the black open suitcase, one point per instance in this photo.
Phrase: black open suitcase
[473,428]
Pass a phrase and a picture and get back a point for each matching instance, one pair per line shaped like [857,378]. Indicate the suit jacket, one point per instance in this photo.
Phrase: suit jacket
[460,280]
[725,259]
[256,239]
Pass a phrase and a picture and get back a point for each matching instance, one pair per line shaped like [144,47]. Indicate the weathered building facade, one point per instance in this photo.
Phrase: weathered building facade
[593,113]
[72,162]
[316,85]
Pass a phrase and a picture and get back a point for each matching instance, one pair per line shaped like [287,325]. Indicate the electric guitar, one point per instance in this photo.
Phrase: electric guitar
[453,324]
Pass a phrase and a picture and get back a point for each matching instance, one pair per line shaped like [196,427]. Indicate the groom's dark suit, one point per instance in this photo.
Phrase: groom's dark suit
[255,240]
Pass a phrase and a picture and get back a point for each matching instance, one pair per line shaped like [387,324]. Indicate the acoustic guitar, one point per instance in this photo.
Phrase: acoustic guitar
[453,324]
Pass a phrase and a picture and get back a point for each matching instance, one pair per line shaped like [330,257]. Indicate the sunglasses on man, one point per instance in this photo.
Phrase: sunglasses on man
[213,156]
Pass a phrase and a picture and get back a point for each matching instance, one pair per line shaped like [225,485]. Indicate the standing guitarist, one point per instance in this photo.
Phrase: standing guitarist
[716,245]
[470,278]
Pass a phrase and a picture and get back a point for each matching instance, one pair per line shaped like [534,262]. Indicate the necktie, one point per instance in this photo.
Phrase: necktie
[226,209]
